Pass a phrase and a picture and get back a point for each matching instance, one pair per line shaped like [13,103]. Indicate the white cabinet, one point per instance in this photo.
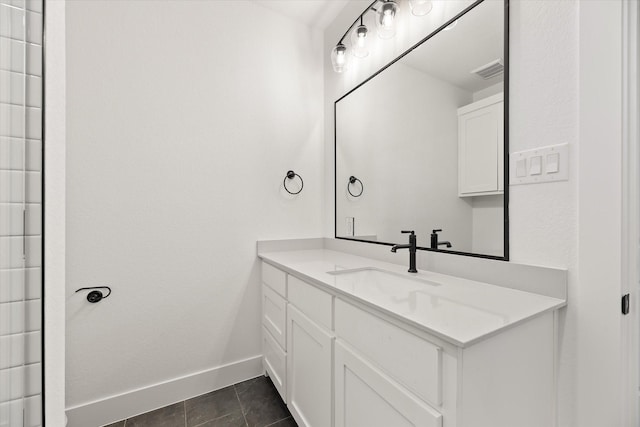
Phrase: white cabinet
[365,397]
[386,368]
[412,361]
[297,344]
[481,147]
[311,301]
[310,349]
[345,364]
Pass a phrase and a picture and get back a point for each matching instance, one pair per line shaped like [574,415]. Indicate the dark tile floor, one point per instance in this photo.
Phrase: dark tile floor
[252,403]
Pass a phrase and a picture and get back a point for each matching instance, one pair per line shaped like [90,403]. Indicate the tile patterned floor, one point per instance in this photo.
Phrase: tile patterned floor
[252,403]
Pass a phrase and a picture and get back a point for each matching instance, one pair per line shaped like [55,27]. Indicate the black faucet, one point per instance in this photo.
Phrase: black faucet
[434,240]
[412,250]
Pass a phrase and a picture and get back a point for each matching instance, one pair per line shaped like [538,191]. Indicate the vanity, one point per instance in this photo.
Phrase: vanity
[354,341]
[350,337]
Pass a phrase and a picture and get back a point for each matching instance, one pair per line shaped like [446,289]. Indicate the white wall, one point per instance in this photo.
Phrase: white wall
[600,370]
[183,118]
[544,111]
[489,91]
[487,219]
[381,140]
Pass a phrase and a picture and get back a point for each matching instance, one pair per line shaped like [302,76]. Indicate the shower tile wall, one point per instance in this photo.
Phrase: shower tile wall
[20,212]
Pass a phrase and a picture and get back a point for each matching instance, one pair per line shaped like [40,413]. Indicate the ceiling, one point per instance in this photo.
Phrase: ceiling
[314,13]
[476,40]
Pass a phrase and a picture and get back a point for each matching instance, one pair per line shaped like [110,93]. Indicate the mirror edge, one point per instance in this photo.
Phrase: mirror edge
[506,132]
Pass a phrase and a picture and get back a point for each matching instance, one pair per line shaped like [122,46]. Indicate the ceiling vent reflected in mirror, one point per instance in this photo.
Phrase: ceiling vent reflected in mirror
[490,70]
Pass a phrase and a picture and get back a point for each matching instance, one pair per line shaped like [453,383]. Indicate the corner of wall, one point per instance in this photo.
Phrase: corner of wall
[54,213]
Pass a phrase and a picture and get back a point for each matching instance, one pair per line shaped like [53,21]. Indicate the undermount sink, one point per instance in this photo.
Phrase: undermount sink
[375,276]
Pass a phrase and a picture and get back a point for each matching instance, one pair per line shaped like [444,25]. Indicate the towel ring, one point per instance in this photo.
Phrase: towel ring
[353,180]
[291,175]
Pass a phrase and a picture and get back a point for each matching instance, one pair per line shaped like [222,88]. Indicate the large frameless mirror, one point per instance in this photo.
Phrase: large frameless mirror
[421,145]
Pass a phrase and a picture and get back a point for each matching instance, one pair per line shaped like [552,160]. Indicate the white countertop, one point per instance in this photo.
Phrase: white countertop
[456,310]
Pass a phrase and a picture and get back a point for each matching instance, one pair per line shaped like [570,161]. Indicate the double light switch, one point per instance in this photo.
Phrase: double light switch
[540,165]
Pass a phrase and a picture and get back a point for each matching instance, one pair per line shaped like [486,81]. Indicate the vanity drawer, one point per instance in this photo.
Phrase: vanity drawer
[410,360]
[275,363]
[274,315]
[276,279]
[311,301]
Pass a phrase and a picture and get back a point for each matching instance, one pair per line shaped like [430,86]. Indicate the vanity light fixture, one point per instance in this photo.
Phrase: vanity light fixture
[339,58]
[386,19]
[386,14]
[359,45]
[420,7]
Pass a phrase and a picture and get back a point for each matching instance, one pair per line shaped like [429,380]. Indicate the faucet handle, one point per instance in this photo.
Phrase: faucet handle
[408,232]
[436,231]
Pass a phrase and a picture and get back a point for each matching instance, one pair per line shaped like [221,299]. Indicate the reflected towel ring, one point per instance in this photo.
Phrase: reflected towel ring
[353,180]
[291,175]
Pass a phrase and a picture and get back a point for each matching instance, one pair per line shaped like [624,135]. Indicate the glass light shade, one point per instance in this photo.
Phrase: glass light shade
[420,7]
[339,58]
[359,42]
[386,19]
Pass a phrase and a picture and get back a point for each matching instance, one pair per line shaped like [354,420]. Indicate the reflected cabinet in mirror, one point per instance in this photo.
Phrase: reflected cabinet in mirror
[421,144]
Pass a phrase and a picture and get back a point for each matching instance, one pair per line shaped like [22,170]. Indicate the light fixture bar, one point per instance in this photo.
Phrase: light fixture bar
[386,28]
[359,18]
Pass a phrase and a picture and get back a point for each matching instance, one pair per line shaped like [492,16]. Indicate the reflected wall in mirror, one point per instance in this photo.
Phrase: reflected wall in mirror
[425,138]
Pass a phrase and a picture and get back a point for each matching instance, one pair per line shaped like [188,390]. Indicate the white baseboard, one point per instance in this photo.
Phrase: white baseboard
[135,402]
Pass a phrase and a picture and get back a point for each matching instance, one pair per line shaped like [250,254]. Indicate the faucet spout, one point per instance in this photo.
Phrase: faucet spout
[412,246]
[434,240]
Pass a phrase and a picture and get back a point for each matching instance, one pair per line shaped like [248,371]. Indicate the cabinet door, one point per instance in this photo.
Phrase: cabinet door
[480,150]
[364,397]
[411,361]
[308,370]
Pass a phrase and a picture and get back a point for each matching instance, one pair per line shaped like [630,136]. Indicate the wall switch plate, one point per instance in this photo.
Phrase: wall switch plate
[544,164]
[350,226]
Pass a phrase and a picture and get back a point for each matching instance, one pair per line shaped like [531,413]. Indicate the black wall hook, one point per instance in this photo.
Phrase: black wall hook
[95,295]
[353,180]
[291,175]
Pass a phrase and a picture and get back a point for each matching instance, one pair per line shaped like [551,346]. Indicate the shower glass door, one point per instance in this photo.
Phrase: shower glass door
[21,103]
